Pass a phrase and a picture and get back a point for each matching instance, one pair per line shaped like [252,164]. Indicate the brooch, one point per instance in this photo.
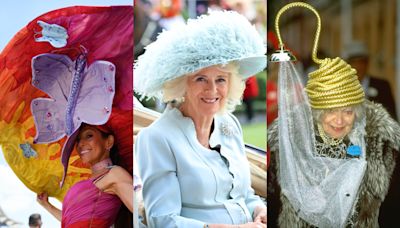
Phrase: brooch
[226,129]
[353,151]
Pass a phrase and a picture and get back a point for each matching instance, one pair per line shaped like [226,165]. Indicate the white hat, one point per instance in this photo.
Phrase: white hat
[217,38]
[355,49]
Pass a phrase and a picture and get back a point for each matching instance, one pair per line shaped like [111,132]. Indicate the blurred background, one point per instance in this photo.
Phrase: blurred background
[152,16]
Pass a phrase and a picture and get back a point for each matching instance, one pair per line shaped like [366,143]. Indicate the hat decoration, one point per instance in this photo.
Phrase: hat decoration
[334,85]
[220,37]
[78,94]
[55,34]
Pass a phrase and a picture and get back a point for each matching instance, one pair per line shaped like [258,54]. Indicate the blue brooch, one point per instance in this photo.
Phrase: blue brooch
[353,151]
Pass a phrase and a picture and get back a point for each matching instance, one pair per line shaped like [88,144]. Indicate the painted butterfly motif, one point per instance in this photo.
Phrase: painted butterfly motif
[55,34]
[28,151]
[77,94]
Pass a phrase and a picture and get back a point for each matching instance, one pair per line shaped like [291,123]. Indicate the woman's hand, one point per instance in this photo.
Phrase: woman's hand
[43,199]
[260,214]
[252,225]
[246,225]
[259,218]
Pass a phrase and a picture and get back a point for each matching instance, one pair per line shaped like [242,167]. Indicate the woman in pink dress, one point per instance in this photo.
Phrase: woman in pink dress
[94,202]
[80,60]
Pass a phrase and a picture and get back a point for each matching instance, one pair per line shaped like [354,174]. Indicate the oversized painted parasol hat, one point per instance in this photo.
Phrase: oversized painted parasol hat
[66,67]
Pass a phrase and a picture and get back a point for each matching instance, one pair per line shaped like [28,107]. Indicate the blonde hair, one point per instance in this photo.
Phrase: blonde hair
[174,90]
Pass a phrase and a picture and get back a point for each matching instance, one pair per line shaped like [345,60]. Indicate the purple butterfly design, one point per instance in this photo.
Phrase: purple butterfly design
[78,94]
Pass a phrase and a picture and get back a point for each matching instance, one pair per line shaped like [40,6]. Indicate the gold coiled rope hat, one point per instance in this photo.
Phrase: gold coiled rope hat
[335,83]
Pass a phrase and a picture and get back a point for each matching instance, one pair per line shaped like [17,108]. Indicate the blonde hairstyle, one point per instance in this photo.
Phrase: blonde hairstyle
[174,90]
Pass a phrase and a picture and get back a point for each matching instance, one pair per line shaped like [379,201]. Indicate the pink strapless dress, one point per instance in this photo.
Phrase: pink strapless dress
[87,206]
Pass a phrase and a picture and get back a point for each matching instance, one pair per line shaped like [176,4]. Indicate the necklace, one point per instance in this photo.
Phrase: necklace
[328,140]
[99,166]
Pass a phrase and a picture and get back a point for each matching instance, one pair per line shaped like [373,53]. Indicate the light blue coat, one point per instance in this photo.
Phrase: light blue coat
[187,185]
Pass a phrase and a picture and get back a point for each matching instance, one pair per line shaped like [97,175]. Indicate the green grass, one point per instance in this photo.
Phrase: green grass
[255,134]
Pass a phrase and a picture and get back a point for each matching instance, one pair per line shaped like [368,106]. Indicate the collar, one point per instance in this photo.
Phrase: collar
[222,128]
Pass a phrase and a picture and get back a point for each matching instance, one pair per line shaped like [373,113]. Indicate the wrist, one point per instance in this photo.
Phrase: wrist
[48,205]
[220,225]
[258,209]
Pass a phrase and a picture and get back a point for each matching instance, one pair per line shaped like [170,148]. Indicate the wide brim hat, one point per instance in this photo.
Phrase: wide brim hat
[220,37]
[106,33]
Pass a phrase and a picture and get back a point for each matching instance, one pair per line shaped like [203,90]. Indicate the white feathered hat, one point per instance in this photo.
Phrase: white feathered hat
[217,38]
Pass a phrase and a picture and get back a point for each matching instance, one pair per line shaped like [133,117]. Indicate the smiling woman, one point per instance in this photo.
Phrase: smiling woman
[95,202]
[327,154]
[70,86]
[226,75]
[192,159]
[93,145]
[334,124]
[332,151]
[20,201]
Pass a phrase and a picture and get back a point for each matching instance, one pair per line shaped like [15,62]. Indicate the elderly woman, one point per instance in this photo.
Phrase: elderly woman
[333,152]
[192,160]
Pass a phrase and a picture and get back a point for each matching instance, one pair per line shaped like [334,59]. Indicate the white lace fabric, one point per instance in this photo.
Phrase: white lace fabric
[322,189]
